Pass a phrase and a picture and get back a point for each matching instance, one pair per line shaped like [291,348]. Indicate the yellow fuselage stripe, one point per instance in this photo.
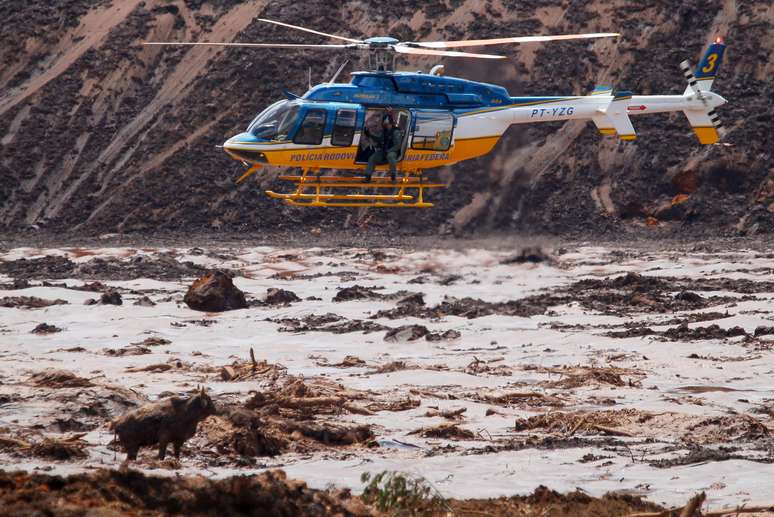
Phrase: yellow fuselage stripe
[344,157]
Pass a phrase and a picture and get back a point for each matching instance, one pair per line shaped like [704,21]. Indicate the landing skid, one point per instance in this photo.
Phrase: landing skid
[324,191]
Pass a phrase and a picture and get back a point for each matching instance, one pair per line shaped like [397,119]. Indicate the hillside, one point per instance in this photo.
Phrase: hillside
[100,134]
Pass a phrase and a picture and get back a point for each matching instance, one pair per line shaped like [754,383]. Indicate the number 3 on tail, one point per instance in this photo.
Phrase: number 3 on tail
[711,60]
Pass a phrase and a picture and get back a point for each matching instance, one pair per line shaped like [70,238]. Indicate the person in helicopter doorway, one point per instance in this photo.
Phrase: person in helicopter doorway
[386,146]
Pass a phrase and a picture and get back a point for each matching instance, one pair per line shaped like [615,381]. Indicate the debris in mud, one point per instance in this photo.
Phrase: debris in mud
[449,414]
[448,335]
[173,420]
[702,455]
[57,449]
[528,399]
[153,341]
[406,333]
[242,371]
[392,366]
[144,301]
[327,323]
[412,299]
[349,361]
[632,332]
[52,378]
[157,267]
[449,280]
[285,417]
[28,302]
[111,297]
[357,292]
[276,296]
[45,328]
[214,292]
[577,376]
[155,368]
[332,434]
[687,429]
[763,331]
[294,397]
[60,448]
[530,254]
[685,333]
[468,308]
[128,350]
[478,367]
[445,431]
[618,295]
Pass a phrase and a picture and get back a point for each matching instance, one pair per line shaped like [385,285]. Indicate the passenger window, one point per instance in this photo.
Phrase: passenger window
[312,128]
[433,131]
[344,128]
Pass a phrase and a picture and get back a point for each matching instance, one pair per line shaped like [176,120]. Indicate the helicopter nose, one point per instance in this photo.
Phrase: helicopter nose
[244,147]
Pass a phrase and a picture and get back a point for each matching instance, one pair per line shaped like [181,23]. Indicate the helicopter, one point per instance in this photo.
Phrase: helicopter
[443,120]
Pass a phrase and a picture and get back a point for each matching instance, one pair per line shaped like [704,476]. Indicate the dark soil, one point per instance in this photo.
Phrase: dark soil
[129,492]
[160,267]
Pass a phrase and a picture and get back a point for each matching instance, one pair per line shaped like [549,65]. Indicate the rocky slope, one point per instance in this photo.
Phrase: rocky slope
[100,134]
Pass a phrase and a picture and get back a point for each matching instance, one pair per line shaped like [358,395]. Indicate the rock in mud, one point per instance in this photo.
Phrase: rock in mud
[357,292]
[45,328]
[406,333]
[28,302]
[276,296]
[52,378]
[144,301]
[764,331]
[215,292]
[171,420]
[111,298]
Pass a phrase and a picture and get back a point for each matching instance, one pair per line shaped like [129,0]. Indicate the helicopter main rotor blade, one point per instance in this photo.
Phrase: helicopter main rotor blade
[404,49]
[263,45]
[311,30]
[519,39]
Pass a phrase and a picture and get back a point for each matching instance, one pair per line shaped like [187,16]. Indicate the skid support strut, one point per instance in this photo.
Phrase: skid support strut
[342,191]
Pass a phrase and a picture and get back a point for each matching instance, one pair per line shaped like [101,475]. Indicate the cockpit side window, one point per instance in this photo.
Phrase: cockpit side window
[344,128]
[312,128]
[275,122]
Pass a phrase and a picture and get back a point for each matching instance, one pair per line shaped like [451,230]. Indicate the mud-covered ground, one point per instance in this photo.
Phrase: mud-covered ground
[487,371]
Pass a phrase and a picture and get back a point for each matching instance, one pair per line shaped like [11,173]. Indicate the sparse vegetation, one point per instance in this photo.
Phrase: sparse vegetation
[401,494]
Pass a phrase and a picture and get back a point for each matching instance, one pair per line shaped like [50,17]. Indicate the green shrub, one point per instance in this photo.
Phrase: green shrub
[401,494]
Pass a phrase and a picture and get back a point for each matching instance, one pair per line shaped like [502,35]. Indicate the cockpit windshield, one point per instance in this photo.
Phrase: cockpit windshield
[275,122]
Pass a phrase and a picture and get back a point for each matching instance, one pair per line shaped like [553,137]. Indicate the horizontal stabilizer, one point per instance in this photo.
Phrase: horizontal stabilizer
[706,126]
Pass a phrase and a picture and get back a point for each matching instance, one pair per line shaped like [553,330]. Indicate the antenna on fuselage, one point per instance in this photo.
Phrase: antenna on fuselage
[309,78]
[336,75]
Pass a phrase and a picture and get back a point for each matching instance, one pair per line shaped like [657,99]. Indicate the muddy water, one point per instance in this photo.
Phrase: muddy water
[606,369]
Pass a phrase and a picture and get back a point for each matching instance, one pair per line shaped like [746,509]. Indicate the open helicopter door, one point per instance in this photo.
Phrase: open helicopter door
[380,192]
[373,123]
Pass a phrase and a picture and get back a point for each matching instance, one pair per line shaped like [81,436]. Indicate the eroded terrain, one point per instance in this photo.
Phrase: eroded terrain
[486,372]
